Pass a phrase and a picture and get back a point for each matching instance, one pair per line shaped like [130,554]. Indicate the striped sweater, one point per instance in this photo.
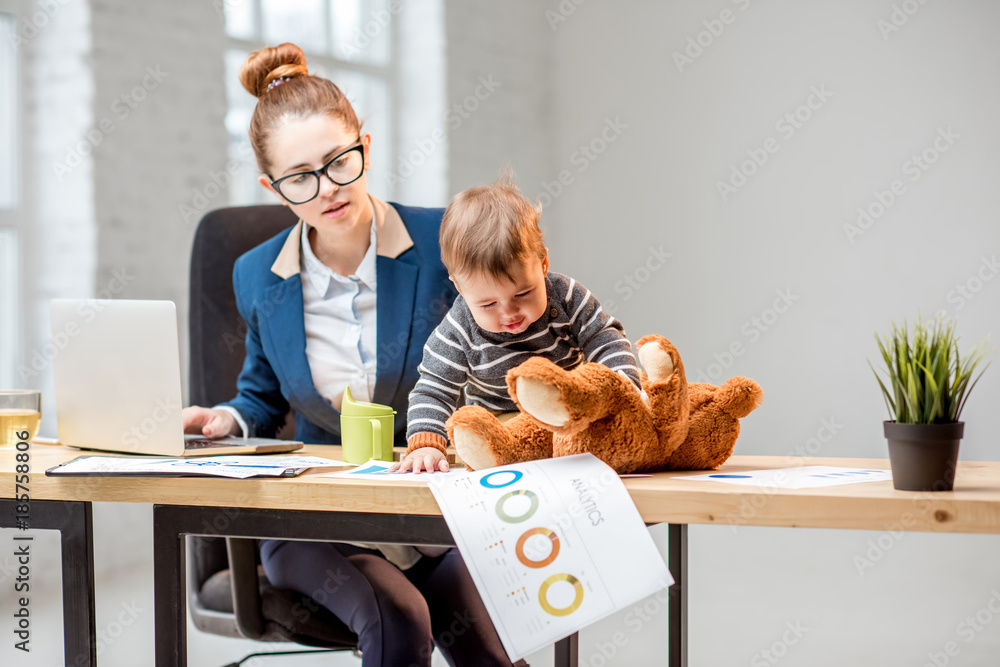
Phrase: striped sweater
[461,356]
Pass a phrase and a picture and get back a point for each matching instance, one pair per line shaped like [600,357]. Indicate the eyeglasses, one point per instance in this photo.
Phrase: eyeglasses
[343,169]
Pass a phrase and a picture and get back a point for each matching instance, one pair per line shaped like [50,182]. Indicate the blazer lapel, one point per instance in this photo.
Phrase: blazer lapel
[283,331]
[394,313]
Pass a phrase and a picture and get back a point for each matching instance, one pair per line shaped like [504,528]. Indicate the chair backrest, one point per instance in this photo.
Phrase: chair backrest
[216,329]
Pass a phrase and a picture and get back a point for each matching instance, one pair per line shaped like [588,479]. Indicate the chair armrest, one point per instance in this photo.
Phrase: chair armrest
[246,591]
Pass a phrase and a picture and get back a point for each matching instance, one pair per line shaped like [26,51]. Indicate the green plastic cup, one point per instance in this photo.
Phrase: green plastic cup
[366,430]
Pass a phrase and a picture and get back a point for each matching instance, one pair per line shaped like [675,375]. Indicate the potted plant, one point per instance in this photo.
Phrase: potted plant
[928,385]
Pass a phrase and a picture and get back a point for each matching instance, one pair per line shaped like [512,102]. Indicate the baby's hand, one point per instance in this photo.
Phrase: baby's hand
[430,459]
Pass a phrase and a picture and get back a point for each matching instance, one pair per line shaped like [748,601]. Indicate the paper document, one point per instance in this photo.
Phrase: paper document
[378,471]
[805,477]
[240,467]
[270,461]
[552,545]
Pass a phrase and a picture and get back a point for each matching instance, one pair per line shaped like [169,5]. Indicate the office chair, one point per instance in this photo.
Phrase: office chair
[228,592]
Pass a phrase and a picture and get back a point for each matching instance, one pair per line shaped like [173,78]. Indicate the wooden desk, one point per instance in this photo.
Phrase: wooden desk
[974,506]
[311,507]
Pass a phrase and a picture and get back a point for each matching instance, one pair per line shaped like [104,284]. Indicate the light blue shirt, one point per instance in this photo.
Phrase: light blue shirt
[340,324]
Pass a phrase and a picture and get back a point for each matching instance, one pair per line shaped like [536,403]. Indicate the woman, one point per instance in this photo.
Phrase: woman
[345,298]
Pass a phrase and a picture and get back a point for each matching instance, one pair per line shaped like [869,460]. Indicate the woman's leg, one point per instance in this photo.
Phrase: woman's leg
[462,628]
[364,590]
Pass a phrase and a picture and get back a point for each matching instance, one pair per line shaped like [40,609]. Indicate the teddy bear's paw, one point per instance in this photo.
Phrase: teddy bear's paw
[739,396]
[542,401]
[659,357]
[473,448]
[477,435]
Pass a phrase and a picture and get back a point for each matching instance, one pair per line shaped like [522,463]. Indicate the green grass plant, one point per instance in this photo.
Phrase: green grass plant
[928,382]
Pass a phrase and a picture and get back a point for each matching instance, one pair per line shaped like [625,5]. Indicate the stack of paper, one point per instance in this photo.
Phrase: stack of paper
[239,467]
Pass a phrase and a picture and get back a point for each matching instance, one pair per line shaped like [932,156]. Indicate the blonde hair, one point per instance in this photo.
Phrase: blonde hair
[490,229]
[278,77]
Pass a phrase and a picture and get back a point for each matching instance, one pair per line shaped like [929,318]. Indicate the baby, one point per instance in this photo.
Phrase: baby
[509,308]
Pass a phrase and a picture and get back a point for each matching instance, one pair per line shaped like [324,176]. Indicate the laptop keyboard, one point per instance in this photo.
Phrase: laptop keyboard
[204,444]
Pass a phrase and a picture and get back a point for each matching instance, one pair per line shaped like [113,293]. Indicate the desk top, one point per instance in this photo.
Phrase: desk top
[974,506]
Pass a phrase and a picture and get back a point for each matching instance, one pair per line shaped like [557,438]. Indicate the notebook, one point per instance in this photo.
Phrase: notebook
[118,382]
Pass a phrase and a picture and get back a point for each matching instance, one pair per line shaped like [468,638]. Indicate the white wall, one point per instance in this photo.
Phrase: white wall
[499,92]
[655,185]
[420,168]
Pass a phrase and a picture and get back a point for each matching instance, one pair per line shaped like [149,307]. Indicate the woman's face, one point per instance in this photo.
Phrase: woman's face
[305,144]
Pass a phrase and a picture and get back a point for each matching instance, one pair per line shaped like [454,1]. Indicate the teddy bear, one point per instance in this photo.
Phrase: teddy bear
[671,425]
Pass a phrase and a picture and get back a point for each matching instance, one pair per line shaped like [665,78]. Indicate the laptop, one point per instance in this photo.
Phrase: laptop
[118,382]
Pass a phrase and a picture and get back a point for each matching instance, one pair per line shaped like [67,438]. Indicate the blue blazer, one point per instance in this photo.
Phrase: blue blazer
[412,297]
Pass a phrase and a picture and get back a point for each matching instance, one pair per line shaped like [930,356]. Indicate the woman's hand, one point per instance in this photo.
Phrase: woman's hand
[430,459]
[208,422]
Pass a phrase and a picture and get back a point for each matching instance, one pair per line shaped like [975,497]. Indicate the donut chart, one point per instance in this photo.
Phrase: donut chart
[519,549]
[516,475]
[563,611]
[509,518]
[521,512]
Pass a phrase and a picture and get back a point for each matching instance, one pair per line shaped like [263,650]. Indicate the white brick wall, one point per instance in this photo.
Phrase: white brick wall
[124,120]
[123,123]
[59,232]
[162,91]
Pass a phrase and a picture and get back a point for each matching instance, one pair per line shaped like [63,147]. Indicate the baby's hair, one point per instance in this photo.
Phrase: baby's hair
[490,229]
[278,77]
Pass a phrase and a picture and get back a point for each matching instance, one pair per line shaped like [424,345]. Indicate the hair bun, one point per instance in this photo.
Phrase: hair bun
[271,63]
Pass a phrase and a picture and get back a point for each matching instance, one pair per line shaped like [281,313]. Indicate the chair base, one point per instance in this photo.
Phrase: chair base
[270,653]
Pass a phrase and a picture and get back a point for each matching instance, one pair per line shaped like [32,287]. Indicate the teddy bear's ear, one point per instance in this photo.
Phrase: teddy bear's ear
[739,396]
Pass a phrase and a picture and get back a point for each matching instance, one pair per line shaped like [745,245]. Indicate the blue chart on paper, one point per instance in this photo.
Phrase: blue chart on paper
[372,469]
[731,476]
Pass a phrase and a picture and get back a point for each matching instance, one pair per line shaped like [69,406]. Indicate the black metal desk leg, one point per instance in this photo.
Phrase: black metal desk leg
[568,651]
[79,623]
[74,521]
[169,605]
[678,547]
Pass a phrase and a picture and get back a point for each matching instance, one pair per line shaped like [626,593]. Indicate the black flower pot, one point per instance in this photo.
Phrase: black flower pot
[923,457]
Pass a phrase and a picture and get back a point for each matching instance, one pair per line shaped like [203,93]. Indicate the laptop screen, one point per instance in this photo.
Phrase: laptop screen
[117,375]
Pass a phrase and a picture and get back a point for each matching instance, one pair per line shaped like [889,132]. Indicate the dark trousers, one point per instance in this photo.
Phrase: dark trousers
[398,615]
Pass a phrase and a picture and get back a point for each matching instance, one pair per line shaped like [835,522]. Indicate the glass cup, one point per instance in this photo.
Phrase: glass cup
[20,414]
